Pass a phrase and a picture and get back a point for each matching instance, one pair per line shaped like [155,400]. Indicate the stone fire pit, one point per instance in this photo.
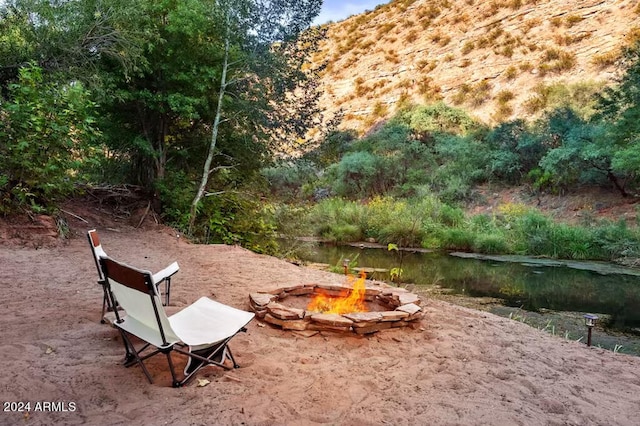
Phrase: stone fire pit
[398,308]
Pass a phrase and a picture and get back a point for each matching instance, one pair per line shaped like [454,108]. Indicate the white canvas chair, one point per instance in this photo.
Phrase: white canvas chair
[201,331]
[159,277]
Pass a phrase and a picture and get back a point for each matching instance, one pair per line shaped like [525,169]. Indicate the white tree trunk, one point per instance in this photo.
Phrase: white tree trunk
[214,133]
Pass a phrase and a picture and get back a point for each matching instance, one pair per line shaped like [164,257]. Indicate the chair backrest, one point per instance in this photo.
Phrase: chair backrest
[136,292]
[96,250]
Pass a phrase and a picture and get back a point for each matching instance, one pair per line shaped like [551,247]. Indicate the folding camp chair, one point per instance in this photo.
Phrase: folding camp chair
[201,331]
[98,252]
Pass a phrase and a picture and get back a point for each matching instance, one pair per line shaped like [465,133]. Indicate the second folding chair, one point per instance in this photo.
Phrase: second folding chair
[158,278]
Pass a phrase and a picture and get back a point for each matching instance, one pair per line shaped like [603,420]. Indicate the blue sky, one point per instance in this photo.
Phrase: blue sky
[337,10]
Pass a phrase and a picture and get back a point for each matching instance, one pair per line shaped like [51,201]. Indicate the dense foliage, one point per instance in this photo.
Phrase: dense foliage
[391,186]
[141,92]
[195,100]
[48,131]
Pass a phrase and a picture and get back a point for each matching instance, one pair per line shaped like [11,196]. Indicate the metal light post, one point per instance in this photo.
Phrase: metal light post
[590,322]
[345,265]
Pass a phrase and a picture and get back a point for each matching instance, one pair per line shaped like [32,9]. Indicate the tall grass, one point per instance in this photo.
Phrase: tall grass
[429,223]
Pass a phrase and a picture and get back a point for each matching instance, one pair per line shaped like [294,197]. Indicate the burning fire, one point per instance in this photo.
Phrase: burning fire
[345,303]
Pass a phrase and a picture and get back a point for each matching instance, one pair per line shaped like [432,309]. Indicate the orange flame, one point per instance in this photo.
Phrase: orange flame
[347,302]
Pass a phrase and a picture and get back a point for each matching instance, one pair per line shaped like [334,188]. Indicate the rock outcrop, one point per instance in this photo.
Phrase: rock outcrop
[489,58]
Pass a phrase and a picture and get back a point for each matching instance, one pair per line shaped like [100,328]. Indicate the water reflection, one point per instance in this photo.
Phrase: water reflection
[528,286]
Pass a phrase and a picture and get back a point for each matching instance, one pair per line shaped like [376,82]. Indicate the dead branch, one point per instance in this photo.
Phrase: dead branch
[74,215]
[146,212]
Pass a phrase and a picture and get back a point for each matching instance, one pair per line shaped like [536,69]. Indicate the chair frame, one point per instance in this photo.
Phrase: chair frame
[97,251]
[142,281]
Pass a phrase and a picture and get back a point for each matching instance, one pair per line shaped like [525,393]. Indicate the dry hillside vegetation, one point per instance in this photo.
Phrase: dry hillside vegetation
[491,58]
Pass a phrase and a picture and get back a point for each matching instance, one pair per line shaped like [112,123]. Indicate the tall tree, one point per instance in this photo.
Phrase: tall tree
[577,152]
[619,108]
[167,112]
[66,38]
[264,52]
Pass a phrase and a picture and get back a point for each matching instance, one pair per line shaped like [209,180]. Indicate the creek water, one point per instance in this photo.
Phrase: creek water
[550,297]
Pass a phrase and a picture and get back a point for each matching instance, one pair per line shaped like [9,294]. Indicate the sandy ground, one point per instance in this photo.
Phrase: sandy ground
[461,367]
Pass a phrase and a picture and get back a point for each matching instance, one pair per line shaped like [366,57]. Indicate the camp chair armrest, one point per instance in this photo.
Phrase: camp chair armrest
[166,272]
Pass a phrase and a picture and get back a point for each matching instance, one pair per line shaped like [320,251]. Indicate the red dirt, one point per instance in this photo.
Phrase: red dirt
[585,205]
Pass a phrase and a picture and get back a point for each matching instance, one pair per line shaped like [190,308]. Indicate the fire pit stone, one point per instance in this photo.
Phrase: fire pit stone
[404,309]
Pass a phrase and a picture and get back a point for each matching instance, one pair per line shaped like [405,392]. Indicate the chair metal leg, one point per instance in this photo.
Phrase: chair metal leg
[106,303]
[133,355]
[230,356]
[175,382]
[104,309]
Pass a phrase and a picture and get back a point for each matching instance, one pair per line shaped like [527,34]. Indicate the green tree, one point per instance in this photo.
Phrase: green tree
[221,87]
[66,38]
[578,151]
[265,38]
[332,147]
[619,107]
[515,150]
[47,132]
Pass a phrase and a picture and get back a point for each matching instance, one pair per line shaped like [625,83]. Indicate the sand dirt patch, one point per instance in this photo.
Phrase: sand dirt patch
[459,367]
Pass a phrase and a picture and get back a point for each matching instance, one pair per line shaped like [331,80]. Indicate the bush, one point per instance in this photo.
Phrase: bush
[288,179]
[531,233]
[48,134]
[363,174]
[438,118]
[344,232]
[337,219]
[511,152]
[451,216]
[615,240]
[398,222]
[237,218]
[457,239]
[428,223]
[490,244]
[332,148]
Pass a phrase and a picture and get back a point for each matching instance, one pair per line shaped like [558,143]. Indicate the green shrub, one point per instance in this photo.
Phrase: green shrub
[358,174]
[343,232]
[532,231]
[237,218]
[438,118]
[47,136]
[490,244]
[404,231]
[287,179]
[337,219]
[615,240]
[457,239]
[451,216]
[481,223]
[291,220]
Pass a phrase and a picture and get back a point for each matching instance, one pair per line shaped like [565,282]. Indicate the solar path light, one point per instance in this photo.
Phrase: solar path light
[345,265]
[590,321]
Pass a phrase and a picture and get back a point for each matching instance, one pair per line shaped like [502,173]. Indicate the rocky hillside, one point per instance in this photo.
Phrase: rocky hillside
[491,58]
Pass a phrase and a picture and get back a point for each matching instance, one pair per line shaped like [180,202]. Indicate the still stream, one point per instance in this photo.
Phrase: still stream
[544,295]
